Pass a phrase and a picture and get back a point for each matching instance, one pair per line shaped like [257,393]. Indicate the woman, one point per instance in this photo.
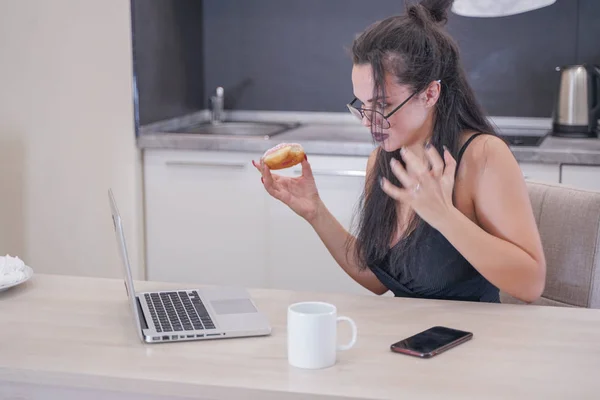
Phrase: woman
[445,212]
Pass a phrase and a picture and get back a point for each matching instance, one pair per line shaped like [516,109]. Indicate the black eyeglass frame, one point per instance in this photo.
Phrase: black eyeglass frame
[362,113]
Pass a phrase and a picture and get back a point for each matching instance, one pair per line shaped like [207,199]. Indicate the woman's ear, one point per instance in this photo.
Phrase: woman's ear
[432,93]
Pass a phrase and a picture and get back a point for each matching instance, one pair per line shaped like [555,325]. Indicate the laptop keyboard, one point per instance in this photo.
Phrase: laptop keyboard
[178,311]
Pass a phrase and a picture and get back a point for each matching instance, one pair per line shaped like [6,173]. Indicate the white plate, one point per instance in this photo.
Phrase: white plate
[28,274]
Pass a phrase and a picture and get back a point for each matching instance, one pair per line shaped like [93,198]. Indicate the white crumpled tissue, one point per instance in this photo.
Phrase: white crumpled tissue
[12,270]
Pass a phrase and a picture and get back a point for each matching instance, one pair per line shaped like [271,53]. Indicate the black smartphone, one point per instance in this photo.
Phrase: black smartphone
[431,342]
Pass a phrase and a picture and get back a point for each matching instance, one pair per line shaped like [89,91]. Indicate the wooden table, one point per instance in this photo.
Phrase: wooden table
[72,337]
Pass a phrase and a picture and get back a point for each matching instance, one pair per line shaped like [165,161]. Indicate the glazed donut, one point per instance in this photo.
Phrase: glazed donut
[283,155]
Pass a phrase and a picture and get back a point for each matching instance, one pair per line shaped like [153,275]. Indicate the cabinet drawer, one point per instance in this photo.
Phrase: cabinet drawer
[581,176]
[205,218]
[549,173]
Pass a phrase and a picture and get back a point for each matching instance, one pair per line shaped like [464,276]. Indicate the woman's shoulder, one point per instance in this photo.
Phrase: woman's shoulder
[484,150]
[485,156]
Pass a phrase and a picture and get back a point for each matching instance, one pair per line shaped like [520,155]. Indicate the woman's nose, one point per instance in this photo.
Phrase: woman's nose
[365,121]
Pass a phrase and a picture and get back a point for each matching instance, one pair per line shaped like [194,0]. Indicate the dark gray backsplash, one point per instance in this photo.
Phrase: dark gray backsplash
[588,45]
[168,58]
[292,55]
[511,61]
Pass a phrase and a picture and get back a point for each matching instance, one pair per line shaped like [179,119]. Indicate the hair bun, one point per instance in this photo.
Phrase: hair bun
[438,9]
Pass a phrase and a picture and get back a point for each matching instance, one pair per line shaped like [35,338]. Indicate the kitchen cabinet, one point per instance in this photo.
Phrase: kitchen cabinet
[296,257]
[581,176]
[209,219]
[549,173]
[205,218]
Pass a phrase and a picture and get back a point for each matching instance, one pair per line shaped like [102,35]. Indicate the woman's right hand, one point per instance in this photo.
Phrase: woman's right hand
[298,193]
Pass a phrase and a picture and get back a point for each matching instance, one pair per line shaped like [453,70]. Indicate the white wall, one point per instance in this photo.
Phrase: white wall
[67,135]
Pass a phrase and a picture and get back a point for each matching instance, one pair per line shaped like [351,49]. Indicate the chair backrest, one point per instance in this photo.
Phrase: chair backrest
[568,220]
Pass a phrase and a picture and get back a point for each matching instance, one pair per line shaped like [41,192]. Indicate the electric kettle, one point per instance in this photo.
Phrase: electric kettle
[577,108]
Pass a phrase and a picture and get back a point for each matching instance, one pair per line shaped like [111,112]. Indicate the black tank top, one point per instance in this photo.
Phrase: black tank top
[437,269]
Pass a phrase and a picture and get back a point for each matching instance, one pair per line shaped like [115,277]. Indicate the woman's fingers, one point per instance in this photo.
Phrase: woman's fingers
[257,166]
[270,182]
[266,173]
[306,169]
[267,179]
[437,164]
[405,179]
[393,191]
[418,170]
[450,168]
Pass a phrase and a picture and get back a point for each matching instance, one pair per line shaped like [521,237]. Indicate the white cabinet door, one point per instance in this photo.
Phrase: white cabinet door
[581,176]
[540,172]
[297,258]
[205,218]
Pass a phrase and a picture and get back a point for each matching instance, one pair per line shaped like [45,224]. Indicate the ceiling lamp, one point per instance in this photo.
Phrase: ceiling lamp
[496,8]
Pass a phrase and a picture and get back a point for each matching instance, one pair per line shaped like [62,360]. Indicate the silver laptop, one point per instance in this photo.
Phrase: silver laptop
[188,314]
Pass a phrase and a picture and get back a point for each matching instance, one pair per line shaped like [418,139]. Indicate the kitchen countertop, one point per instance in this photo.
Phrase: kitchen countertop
[338,134]
[73,338]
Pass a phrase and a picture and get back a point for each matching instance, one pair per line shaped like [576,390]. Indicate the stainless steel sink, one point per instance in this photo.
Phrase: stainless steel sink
[238,128]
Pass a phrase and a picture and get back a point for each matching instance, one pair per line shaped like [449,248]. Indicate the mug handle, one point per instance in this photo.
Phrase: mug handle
[354,333]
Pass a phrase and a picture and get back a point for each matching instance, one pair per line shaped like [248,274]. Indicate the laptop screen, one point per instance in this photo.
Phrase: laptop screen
[120,236]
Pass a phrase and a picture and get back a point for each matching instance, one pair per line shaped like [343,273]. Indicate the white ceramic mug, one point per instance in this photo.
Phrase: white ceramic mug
[312,334]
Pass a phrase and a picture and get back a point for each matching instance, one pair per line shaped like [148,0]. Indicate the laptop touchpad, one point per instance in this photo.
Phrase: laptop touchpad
[233,306]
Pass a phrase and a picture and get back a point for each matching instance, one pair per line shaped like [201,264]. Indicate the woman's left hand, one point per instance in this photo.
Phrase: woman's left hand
[427,192]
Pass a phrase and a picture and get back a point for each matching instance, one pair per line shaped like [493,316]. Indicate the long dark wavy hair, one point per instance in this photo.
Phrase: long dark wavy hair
[416,49]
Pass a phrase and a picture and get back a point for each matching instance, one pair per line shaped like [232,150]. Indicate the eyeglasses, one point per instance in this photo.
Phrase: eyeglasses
[375,117]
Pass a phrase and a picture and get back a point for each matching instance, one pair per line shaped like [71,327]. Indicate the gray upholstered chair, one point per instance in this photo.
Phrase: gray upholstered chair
[569,223]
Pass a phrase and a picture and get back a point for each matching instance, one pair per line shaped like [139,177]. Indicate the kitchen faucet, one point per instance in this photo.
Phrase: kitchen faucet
[216,112]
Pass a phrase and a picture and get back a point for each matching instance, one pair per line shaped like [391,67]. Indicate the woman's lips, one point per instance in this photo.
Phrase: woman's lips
[379,137]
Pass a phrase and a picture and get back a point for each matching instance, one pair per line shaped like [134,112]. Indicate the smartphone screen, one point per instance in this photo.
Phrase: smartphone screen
[431,342]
